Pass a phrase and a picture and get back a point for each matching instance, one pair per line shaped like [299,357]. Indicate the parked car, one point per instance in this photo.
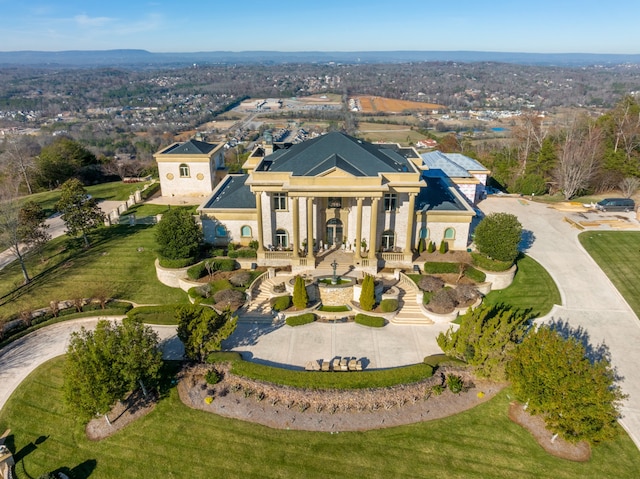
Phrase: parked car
[616,204]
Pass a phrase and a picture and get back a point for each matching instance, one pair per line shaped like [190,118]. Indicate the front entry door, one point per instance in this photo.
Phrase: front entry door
[334,232]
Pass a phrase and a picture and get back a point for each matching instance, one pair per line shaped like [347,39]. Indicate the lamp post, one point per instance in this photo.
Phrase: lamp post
[334,280]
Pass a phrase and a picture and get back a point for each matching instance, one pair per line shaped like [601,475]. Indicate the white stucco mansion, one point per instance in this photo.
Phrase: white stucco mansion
[376,201]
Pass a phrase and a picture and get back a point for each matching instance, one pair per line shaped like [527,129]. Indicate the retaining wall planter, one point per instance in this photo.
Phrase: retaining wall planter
[171,276]
[500,279]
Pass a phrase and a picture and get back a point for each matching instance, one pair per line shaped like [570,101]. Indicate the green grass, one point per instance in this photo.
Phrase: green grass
[532,288]
[121,257]
[334,309]
[114,191]
[178,442]
[616,252]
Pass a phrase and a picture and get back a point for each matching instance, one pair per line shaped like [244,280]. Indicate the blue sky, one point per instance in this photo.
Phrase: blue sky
[542,26]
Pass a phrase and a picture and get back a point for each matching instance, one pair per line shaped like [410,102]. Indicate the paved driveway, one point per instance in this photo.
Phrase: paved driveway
[589,299]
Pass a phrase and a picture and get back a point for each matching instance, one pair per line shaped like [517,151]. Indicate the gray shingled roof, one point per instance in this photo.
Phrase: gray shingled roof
[437,196]
[233,194]
[191,147]
[357,157]
[437,160]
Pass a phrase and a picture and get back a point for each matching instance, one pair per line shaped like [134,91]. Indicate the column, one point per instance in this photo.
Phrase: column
[309,227]
[410,224]
[259,212]
[296,227]
[358,229]
[373,234]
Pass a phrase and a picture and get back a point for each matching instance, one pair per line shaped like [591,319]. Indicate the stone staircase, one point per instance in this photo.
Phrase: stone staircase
[259,309]
[410,312]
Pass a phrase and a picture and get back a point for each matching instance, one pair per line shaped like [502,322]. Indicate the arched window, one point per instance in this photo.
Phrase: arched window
[388,240]
[449,234]
[245,231]
[424,233]
[282,239]
[184,171]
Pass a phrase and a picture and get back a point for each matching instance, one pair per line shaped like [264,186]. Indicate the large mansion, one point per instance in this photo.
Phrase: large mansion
[378,202]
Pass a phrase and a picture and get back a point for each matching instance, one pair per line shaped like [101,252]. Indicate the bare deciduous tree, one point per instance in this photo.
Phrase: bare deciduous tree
[629,185]
[18,159]
[579,155]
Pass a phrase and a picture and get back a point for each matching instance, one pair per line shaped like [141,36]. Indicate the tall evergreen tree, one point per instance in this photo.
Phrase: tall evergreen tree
[300,296]
[368,293]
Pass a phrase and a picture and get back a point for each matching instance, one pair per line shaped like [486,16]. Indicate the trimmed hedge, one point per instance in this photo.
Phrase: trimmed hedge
[334,309]
[175,263]
[280,303]
[243,253]
[162,314]
[435,267]
[371,321]
[490,264]
[475,274]
[316,380]
[150,191]
[199,270]
[389,305]
[301,319]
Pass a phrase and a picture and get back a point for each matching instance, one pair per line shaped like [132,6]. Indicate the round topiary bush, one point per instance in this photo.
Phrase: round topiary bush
[388,305]
[281,303]
[498,235]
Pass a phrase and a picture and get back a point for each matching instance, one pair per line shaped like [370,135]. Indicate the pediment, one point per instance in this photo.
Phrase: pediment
[334,172]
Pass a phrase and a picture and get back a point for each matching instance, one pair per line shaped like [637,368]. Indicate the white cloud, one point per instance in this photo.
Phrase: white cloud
[92,22]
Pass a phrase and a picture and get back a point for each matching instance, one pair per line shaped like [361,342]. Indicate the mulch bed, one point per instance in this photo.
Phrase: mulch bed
[579,452]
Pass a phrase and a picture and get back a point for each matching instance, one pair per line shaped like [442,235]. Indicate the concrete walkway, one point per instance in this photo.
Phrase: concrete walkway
[589,299]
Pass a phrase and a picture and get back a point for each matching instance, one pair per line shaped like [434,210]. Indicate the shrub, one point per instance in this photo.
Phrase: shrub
[368,294]
[163,314]
[389,305]
[430,283]
[150,191]
[432,247]
[212,377]
[228,297]
[301,319]
[253,244]
[246,253]
[465,294]
[224,264]
[371,321]
[444,247]
[438,389]
[454,383]
[497,236]
[281,303]
[489,264]
[279,288]
[217,252]
[422,245]
[232,254]
[300,297]
[475,275]
[241,278]
[197,271]
[442,301]
[176,263]
[177,234]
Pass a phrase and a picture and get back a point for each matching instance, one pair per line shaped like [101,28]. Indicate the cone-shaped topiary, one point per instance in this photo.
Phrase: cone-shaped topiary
[300,297]
[443,247]
[432,247]
[368,294]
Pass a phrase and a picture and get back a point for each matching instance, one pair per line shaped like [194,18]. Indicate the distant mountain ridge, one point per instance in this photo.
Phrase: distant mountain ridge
[146,59]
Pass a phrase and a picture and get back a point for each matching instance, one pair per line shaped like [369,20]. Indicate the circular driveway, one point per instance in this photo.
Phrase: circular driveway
[592,307]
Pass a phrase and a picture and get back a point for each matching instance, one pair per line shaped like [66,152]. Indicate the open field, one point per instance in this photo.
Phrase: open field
[175,441]
[616,252]
[376,104]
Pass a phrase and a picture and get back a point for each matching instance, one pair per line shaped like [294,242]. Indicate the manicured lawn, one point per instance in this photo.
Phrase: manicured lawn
[116,191]
[616,252]
[175,441]
[121,257]
[532,288]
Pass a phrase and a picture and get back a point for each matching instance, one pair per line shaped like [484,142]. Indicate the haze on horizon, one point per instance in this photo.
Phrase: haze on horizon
[546,26]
